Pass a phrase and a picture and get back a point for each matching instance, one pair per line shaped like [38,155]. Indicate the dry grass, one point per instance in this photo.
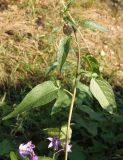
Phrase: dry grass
[28,40]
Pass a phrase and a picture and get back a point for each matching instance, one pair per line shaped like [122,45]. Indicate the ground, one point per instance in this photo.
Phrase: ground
[30,31]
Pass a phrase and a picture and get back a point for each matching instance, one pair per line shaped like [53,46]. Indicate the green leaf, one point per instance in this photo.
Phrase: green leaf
[5,147]
[103,92]
[63,50]
[93,25]
[89,125]
[52,132]
[51,68]
[63,134]
[93,115]
[83,96]
[38,96]
[45,158]
[62,101]
[84,88]
[92,63]
[77,153]
[13,156]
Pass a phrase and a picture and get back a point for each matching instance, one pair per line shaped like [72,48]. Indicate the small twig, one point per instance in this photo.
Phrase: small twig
[4,97]
[68,92]
[57,153]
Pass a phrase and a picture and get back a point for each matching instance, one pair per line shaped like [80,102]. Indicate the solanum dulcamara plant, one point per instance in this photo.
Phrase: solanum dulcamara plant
[67,100]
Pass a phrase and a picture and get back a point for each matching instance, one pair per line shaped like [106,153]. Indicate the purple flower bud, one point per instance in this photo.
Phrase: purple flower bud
[54,142]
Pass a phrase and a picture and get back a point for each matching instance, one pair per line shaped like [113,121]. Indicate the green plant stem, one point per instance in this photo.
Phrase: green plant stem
[73,96]
[4,97]
[69,120]
[68,92]
[77,76]
[57,153]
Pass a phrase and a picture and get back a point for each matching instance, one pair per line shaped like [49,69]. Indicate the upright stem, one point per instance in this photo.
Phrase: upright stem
[69,120]
[77,74]
[73,96]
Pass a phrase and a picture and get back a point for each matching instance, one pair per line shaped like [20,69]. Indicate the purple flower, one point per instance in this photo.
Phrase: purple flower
[34,157]
[26,150]
[54,142]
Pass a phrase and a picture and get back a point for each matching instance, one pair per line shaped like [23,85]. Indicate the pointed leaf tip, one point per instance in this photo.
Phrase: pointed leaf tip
[63,50]
[38,96]
[103,92]
[93,25]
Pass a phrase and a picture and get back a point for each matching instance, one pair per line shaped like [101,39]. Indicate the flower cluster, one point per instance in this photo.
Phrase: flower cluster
[26,150]
[56,143]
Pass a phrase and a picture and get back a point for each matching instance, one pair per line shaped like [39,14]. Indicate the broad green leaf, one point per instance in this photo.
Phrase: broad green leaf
[51,68]
[13,156]
[84,88]
[93,25]
[98,149]
[45,158]
[63,50]
[93,115]
[83,96]
[77,153]
[89,125]
[52,132]
[38,96]
[92,63]
[5,147]
[62,101]
[103,92]
[63,134]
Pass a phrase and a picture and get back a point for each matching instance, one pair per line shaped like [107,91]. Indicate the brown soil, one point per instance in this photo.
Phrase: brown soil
[27,39]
